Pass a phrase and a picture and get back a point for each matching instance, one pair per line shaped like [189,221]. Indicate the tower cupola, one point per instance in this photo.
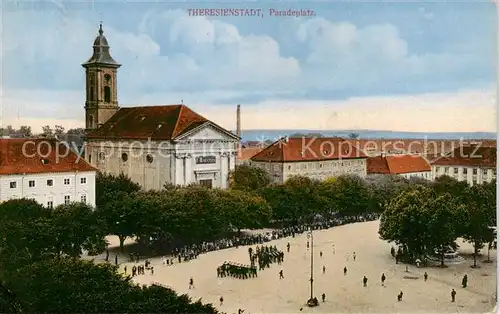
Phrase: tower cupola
[101,55]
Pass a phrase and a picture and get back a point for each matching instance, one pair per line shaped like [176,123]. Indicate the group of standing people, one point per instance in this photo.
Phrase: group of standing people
[236,270]
[265,255]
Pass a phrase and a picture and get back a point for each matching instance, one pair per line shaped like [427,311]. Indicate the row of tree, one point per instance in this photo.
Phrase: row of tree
[302,199]
[192,214]
[47,131]
[425,220]
[41,272]
[175,215]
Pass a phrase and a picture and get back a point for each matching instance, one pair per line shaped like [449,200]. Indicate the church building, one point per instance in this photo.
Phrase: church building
[153,145]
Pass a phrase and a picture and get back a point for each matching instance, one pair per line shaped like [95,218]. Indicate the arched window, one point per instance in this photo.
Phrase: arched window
[91,121]
[107,94]
[91,93]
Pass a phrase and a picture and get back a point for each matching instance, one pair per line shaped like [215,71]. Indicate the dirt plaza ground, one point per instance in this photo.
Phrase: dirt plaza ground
[269,294]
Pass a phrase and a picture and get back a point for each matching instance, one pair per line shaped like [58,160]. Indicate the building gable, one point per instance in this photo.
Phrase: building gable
[208,131]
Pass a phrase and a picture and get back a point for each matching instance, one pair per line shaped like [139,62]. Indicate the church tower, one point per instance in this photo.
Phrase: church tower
[101,92]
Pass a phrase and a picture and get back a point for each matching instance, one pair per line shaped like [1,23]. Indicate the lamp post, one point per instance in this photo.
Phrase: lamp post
[310,236]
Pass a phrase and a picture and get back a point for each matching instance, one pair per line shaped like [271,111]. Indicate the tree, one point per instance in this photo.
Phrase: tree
[120,216]
[76,227]
[109,187]
[75,286]
[58,130]
[248,178]
[9,303]
[405,221]
[297,199]
[385,187]
[480,216]
[243,209]
[443,221]
[77,131]
[25,131]
[351,196]
[446,184]
[25,232]
[47,131]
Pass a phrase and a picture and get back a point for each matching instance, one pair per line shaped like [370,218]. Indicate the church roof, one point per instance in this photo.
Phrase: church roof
[101,55]
[39,155]
[156,122]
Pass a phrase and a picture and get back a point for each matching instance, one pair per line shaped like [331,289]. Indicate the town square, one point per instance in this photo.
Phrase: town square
[344,293]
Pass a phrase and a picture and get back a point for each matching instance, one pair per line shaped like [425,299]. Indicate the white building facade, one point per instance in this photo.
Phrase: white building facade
[473,175]
[42,170]
[473,164]
[50,189]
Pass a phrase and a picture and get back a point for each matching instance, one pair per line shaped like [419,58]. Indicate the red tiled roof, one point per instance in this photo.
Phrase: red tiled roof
[398,164]
[248,152]
[155,122]
[308,149]
[412,146]
[41,155]
[472,156]
[377,164]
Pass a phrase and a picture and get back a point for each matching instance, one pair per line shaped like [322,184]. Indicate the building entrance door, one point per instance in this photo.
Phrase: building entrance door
[207,183]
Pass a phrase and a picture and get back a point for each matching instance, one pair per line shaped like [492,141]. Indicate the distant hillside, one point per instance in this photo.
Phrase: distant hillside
[262,135]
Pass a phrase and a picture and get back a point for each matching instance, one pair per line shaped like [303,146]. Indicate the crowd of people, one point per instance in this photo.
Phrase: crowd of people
[189,252]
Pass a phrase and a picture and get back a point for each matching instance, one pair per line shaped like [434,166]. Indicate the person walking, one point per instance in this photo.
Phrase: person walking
[324,269]
[221,299]
[345,270]
[191,283]
[425,276]
[281,274]
[464,281]
[323,297]
[382,279]
[365,281]
[453,294]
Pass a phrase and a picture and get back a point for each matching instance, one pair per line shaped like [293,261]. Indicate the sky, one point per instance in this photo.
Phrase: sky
[422,66]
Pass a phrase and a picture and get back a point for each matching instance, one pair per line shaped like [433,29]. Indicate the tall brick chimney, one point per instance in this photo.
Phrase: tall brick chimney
[238,121]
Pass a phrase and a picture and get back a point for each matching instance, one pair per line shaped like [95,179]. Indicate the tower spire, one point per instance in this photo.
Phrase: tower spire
[100,29]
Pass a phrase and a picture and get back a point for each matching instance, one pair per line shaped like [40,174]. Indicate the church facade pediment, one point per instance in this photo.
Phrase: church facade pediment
[208,132]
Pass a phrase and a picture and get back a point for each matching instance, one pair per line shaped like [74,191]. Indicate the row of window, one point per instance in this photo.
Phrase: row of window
[327,165]
[67,200]
[425,175]
[476,178]
[312,166]
[102,156]
[50,182]
[464,170]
